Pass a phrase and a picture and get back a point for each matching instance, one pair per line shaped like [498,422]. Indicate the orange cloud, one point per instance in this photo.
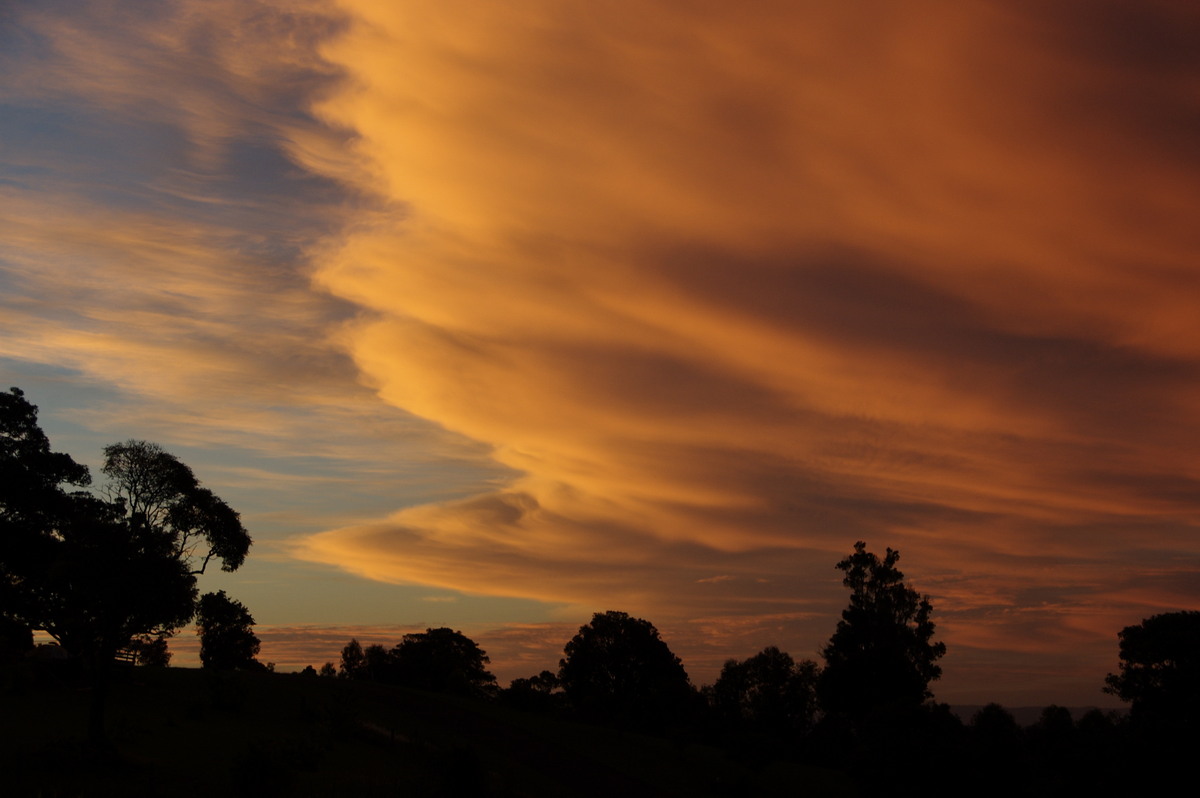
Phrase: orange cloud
[682,300]
[732,289]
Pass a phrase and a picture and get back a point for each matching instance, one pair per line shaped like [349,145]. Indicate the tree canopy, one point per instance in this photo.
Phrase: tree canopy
[617,666]
[33,507]
[882,652]
[77,566]
[1160,670]
[769,691]
[70,563]
[352,659]
[160,492]
[439,660]
[445,661]
[226,629]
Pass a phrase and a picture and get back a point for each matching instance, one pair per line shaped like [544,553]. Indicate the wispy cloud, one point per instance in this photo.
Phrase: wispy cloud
[158,228]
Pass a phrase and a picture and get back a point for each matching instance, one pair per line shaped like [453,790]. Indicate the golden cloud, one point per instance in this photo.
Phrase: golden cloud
[725,288]
[733,288]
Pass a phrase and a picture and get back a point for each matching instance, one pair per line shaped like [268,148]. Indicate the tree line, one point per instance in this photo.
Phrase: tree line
[867,709]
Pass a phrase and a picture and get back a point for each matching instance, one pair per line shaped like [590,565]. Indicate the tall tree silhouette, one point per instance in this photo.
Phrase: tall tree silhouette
[882,653]
[161,496]
[353,660]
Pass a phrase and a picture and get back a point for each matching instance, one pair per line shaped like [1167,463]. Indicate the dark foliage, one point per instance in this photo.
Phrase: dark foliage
[1160,672]
[377,664]
[151,650]
[618,668]
[160,492]
[540,693]
[443,661]
[33,505]
[438,660]
[882,653]
[770,692]
[94,573]
[352,660]
[226,629]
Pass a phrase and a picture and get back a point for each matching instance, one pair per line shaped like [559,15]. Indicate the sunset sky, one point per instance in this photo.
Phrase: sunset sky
[495,315]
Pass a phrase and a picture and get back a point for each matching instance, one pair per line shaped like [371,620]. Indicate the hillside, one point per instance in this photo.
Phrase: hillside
[185,732]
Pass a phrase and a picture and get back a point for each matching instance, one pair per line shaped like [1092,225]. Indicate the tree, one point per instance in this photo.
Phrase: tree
[769,691]
[160,492]
[444,661]
[33,503]
[1160,672]
[618,668]
[74,565]
[352,659]
[226,629]
[882,653]
[377,663]
[151,651]
[540,693]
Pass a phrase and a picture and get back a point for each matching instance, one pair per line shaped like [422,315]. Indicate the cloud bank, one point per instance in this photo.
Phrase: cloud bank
[732,288]
[666,306]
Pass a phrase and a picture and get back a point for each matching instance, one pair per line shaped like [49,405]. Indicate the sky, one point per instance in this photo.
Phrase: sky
[496,315]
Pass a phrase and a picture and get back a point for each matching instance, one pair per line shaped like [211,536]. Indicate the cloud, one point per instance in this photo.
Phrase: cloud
[157,233]
[735,289]
[646,309]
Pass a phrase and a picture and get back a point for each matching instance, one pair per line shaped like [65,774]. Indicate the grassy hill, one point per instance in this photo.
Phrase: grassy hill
[189,732]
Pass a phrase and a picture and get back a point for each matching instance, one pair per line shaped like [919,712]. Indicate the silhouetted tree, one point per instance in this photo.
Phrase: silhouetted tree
[445,661]
[226,629]
[618,668]
[74,565]
[540,693]
[1160,673]
[377,663]
[769,691]
[162,493]
[328,670]
[108,582]
[151,651]
[882,653]
[352,660]
[33,504]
